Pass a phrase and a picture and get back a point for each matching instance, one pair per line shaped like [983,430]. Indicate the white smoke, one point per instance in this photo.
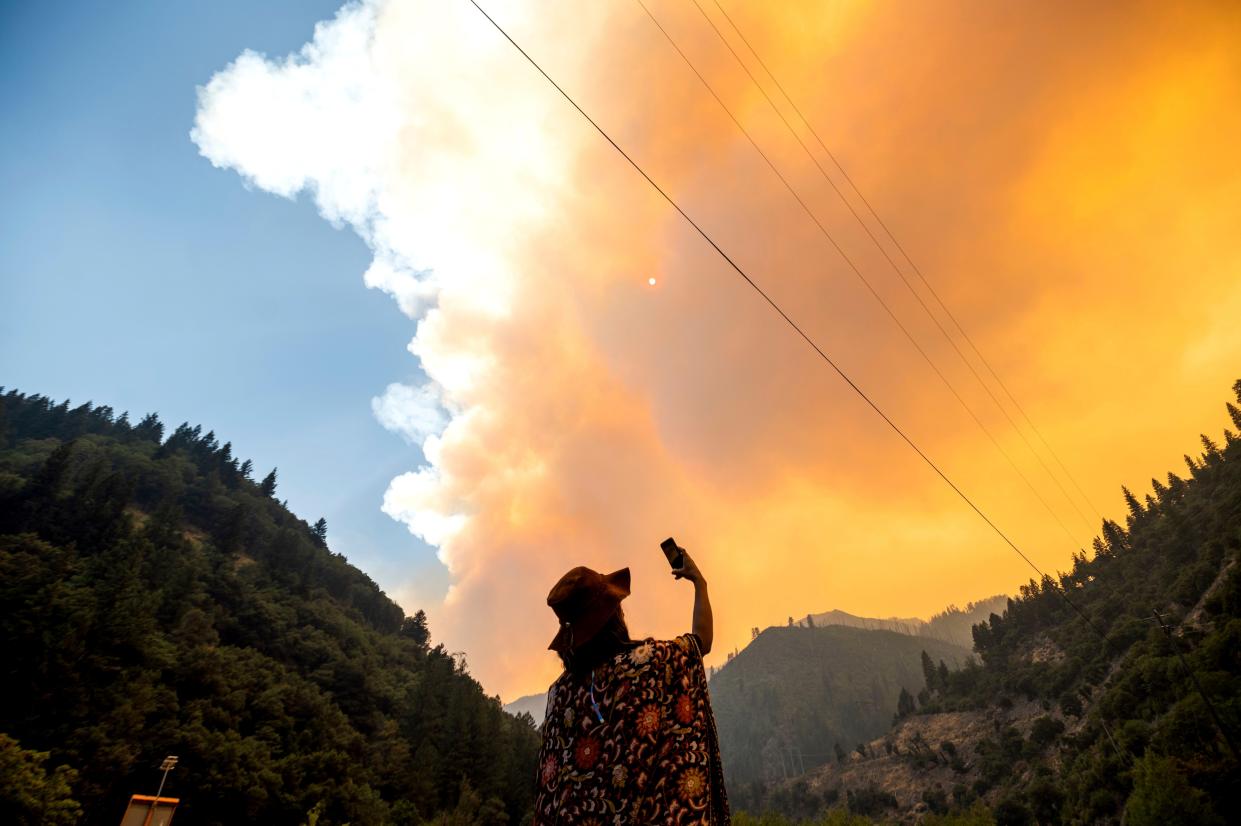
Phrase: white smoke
[390,120]
[412,412]
[324,120]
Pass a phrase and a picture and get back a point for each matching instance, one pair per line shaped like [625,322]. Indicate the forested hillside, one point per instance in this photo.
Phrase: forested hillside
[1138,728]
[1110,693]
[953,624]
[156,599]
[795,695]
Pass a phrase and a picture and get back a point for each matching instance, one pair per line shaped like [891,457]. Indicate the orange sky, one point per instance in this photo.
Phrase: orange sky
[1064,174]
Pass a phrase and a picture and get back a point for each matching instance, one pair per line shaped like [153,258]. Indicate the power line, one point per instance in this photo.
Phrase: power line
[893,264]
[788,320]
[960,329]
[857,272]
[1219,723]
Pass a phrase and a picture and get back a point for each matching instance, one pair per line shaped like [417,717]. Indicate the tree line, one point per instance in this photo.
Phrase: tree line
[155,598]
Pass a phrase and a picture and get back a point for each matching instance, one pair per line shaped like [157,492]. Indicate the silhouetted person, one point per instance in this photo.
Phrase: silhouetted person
[629,737]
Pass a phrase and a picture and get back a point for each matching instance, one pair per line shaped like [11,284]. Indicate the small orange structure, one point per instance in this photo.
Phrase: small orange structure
[144,810]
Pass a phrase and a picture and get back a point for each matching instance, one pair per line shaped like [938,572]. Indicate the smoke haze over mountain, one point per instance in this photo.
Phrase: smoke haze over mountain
[574,414]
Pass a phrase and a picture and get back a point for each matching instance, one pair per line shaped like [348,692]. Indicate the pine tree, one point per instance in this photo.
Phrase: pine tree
[905,704]
[77,420]
[1101,551]
[1235,413]
[247,467]
[268,486]
[416,628]
[320,530]
[150,428]
[1211,455]
[1135,507]
[1176,485]
[928,670]
[1114,535]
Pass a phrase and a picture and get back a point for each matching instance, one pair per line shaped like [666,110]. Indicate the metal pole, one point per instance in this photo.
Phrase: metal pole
[169,762]
[1111,739]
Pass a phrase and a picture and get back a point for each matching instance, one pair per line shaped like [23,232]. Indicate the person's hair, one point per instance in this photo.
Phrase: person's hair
[612,639]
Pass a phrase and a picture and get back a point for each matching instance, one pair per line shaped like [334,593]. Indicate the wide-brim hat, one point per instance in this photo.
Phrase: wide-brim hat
[584,601]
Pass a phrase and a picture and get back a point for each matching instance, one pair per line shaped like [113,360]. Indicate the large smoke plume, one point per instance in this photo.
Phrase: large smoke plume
[1032,158]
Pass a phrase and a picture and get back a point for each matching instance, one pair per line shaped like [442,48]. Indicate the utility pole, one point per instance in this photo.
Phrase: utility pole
[168,765]
[1219,724]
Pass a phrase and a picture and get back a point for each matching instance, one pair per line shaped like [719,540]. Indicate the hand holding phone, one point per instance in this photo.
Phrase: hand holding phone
[674,552]
[683,565]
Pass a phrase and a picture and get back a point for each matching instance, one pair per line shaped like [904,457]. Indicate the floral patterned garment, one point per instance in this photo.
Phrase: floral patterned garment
[654,756]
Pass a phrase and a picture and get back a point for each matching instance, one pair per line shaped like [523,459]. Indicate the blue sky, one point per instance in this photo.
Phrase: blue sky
[134,274]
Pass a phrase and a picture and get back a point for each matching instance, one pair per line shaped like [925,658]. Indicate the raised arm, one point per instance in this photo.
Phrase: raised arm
[704,625]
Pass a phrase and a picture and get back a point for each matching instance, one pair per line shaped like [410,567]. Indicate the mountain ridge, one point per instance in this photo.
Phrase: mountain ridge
[953,624]
[796,695]
[535,704]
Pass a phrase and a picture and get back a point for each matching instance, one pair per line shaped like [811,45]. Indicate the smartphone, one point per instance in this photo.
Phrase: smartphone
[676,556]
